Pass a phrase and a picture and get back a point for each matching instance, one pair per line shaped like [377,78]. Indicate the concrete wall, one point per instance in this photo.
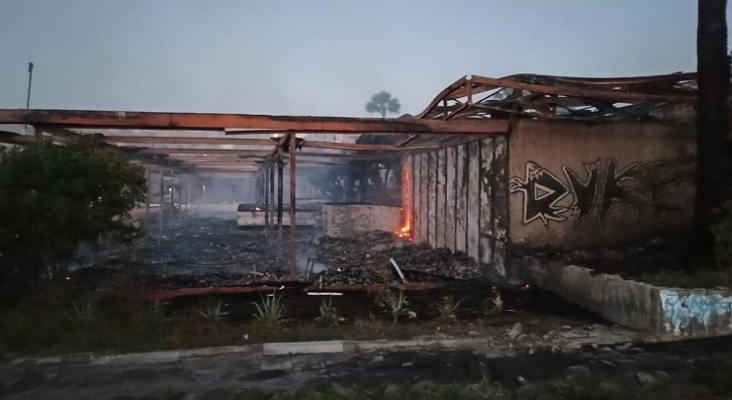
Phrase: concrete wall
[669,313]
[457,198]
[575,183]
[344,220]
[258,218]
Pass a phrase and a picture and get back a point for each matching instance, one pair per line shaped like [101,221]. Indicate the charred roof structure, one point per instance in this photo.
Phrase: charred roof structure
[473,105]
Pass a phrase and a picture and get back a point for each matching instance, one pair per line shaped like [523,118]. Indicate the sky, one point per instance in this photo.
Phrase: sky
[323,57]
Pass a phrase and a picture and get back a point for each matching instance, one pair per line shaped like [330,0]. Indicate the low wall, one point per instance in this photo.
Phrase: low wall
[670,313]
[258,218]
[344,220]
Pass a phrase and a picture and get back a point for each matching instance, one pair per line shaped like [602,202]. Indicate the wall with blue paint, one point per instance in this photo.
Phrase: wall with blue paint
[696,313]
[668,313]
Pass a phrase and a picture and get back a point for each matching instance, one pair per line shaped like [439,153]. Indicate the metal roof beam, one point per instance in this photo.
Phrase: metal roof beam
[190,121]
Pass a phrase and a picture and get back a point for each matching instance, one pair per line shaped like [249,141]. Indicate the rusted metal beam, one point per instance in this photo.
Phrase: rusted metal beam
[293,201]
[234,173]
[222,169]
[189,121]
[198,152]
[245,154]
[407,141]
[243,142]
[179,140]
[616,95]
[9,137]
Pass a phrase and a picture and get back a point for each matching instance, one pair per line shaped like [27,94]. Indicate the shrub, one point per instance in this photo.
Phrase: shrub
[83,311]
[328,313]
[396,306]
[448,308]
[213,311]
[53,198]
[270,310]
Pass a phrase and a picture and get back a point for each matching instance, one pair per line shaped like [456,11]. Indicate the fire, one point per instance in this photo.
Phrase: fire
[405,231]
[258,209]
[406,211]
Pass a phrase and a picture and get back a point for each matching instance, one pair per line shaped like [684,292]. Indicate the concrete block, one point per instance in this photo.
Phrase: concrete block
[344,220]
[273,349]
[376,345]
[253,350]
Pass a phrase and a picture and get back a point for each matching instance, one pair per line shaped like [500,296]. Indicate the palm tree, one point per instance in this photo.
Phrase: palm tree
[714,164]
[383,104]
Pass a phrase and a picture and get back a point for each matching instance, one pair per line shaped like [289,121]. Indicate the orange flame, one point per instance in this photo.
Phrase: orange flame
[405,231]
[258,209]
[406,211]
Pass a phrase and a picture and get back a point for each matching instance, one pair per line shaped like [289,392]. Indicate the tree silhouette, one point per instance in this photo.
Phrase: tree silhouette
[383,104]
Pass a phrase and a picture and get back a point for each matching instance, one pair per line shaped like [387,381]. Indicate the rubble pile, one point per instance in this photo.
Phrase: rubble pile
[205,252]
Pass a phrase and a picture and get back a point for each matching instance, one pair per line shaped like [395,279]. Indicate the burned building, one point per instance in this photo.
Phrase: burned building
[584,162]
[489,165]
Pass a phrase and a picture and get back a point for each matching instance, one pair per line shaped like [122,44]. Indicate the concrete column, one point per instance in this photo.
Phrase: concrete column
[293,200]
[441,213]
[461,209]
[450,198]
[160,203]
[280,178]
[474,200]
[486,201]
[147,196]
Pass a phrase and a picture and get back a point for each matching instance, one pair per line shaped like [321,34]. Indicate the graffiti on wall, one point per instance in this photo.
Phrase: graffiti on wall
[546,196]
[681,309]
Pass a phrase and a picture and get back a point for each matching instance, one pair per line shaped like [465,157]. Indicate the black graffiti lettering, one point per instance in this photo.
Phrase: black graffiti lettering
[584,192]
[541,191]
[612,190]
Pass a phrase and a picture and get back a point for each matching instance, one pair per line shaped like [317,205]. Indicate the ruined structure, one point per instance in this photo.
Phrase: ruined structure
[524,160]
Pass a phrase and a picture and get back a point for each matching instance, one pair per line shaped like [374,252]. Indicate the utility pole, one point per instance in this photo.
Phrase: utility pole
[30,82]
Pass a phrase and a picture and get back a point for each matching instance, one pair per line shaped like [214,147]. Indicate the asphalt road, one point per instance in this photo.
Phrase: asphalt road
[218,376]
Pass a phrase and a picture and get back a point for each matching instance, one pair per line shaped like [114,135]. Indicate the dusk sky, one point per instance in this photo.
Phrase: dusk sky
[319,57]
